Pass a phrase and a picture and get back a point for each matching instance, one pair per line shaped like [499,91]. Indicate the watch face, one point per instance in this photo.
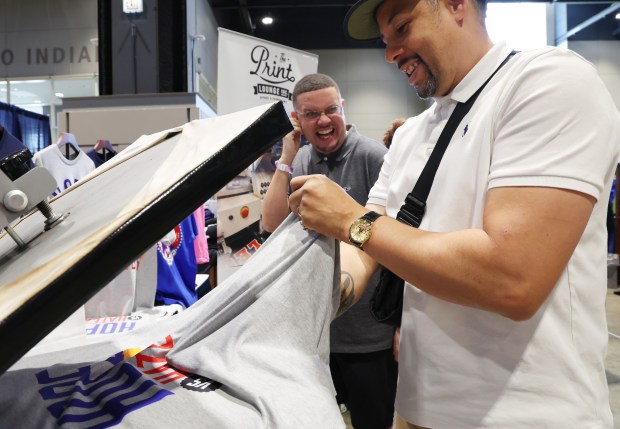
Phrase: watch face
[360,231]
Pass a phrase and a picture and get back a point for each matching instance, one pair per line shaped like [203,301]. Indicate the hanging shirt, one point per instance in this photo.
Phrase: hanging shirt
[177,267]
[65,171]
[200,244]
[100,158]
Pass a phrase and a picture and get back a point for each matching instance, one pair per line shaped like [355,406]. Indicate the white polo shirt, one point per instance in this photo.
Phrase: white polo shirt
[546,119]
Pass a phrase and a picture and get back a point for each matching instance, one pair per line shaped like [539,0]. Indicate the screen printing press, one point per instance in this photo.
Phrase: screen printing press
[251,353]
[113,215]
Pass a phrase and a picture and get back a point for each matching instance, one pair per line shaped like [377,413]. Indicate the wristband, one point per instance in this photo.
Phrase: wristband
[283,167]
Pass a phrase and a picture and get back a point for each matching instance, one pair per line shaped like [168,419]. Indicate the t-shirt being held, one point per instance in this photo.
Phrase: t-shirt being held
[252,353]
[355,167]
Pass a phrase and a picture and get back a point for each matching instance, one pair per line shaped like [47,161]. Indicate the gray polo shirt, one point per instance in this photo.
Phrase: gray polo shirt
[355,167]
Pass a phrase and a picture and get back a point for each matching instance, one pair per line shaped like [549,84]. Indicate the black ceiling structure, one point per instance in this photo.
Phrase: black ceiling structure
[307,25]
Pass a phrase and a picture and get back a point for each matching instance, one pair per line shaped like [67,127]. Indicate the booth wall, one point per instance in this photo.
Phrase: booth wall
[604,55]
[49,39]
[375,91]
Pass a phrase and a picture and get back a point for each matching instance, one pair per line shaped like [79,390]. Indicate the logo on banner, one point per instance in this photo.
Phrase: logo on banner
[275,70]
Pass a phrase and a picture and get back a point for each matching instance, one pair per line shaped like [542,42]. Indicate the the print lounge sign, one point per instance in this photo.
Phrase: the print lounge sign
[253,71]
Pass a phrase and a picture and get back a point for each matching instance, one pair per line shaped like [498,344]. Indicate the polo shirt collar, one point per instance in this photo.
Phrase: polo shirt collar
[344,150]
[477,75]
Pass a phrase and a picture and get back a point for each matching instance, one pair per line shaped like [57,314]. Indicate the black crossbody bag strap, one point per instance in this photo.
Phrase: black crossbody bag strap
[412,211]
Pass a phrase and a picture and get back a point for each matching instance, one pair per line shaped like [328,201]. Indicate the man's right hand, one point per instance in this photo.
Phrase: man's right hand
[291,143]
[275,203]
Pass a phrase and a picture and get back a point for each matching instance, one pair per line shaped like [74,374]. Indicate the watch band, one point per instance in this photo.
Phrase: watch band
[371,216]
[283,167]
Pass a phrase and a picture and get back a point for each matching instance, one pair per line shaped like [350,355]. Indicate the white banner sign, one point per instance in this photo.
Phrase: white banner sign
[253,71]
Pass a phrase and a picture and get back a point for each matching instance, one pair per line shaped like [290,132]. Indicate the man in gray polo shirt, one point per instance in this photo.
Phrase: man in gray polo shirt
[361,360]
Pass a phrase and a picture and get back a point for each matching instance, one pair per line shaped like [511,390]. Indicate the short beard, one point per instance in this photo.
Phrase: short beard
[429,88]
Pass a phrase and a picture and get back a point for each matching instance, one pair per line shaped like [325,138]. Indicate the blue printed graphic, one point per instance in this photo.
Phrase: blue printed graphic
[86,398]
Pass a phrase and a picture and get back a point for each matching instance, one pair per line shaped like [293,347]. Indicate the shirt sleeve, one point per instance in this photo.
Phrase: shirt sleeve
[379,191]
[564,144]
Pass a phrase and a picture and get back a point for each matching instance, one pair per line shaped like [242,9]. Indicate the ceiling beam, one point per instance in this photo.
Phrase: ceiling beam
[602,14]
[246,19]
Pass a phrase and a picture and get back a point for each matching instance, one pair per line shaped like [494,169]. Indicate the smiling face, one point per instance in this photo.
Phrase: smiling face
[327,132]
[430,41]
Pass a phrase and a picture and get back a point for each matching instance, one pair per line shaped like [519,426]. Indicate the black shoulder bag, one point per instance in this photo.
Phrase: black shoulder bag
[386,303]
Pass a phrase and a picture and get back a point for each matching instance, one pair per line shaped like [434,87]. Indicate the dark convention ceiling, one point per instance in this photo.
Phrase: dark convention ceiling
[317,24]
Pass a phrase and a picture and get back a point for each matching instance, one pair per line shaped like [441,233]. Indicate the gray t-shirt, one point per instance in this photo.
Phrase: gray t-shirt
[252,353]
[355,167]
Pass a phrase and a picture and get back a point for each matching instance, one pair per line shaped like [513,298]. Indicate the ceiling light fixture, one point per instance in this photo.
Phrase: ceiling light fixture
[133,6]
[267,20]
[618,16]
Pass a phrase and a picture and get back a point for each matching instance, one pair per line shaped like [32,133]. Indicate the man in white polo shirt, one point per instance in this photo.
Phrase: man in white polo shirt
[503,321]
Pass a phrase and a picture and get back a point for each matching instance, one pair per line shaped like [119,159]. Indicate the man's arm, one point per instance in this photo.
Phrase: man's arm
[509,266]
[274,207]
[356,269]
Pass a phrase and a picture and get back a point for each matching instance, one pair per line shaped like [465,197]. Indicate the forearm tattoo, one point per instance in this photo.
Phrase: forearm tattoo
[347,292]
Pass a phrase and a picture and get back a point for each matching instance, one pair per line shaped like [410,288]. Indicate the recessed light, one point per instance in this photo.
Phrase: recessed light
[267,20]
[59,94]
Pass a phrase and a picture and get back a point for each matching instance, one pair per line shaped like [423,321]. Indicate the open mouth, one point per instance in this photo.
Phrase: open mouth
[410,69]
[326,133]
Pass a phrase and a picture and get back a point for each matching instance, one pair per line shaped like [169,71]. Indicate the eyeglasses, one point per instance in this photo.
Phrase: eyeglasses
[331,111]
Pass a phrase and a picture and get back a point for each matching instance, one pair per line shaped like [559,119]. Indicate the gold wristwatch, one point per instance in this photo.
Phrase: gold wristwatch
[361,229]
